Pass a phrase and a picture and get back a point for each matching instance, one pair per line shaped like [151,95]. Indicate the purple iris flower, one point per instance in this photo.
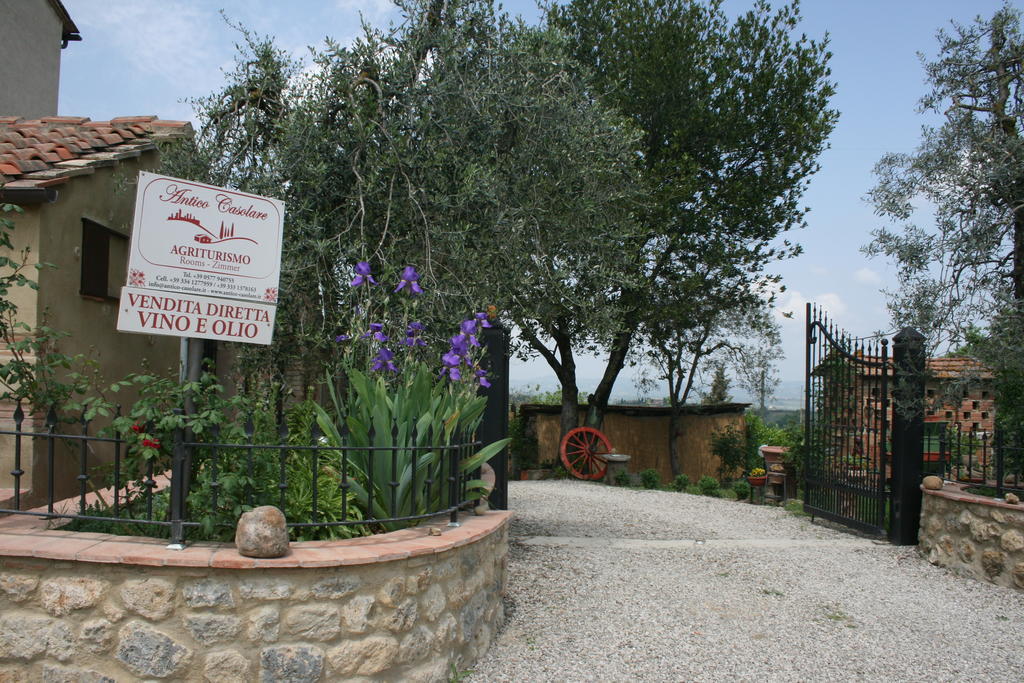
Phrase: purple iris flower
[451,362]
[384,361]
[341,338]
[410,277]
[363,274]
[484,322]
[375,332]
[412,335]
[460,345]
[468,329]
[481,375]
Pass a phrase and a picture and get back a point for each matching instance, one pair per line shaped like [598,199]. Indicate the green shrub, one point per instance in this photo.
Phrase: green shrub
[622,478]
[731,446]
[650,478]
[709,487]
[761,434]
[693,489]
[523,446]
[742,489]
[681,482]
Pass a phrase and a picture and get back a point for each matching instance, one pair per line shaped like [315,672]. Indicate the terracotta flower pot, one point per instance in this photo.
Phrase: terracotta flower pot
[757,481]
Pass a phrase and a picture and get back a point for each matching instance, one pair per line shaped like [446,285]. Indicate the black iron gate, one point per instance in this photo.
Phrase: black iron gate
[847,436]
[864,429]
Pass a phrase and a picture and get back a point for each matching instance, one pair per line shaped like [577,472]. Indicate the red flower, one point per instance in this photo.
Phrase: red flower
[136,428]
[151,443]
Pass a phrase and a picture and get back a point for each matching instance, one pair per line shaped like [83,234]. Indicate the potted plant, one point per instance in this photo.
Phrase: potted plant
[756,477]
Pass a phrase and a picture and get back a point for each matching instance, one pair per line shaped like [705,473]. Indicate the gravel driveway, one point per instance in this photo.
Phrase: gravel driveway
[607,584]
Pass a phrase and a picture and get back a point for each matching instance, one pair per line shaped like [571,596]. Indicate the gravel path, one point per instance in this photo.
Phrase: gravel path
[607,584]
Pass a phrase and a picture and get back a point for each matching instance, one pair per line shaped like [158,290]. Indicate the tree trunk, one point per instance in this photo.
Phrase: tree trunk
[597,402]
[570,417]
[1018,256]
[673,439]
[564,365]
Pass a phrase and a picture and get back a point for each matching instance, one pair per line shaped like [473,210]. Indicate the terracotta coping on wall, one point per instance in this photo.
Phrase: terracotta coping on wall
[955,491]
[27,536]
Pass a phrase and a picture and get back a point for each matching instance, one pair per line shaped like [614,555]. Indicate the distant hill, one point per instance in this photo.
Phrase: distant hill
[789,395]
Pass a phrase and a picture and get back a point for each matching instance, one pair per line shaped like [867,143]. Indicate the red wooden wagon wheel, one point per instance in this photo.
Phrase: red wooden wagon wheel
[581,451]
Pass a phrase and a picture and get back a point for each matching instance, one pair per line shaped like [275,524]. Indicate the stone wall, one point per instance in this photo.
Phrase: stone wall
[973,535]
[416,617]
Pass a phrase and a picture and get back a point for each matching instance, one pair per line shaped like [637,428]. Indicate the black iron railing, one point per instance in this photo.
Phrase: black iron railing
[982,459]
[379,485]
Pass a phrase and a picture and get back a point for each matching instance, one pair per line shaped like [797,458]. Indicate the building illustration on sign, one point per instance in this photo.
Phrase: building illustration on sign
[226,233]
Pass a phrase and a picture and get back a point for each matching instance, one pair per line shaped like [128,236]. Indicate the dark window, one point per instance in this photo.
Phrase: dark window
[974,405]
[974,426]
[984,416]
[949,414]
[967,415]
[931,393]
[984,394]
[103,254]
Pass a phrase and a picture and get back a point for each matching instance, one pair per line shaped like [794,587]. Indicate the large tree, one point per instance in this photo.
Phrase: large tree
[733,115]
[963,269]
[967,265]
[460,141]
[755,367]
[678,347]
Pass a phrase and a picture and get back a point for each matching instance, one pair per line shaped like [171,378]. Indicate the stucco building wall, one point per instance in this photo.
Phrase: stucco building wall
[103,193]
[30,33]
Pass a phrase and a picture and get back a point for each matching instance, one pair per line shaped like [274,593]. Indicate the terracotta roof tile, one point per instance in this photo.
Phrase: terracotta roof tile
[77,120]
[957,366]
[938,368]
[47,151]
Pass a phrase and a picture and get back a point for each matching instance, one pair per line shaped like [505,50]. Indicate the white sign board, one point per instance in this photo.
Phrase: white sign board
[205,240]
[150,311]
[204,262]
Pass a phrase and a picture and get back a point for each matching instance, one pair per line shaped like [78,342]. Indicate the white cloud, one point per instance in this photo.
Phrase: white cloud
[371,10]
[866,276]
[832,304]
[789,307]
[791,304]
[176,42]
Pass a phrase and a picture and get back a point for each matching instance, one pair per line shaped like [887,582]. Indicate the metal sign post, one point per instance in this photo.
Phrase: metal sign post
[204,263]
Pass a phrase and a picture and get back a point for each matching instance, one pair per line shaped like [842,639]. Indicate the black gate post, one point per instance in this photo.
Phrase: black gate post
[907,435]
[494,425]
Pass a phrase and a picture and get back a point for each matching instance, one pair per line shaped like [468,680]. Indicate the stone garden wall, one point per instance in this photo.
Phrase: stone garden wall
[413,606]
[973,535]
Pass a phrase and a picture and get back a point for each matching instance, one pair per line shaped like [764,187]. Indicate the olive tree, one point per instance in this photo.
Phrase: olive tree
[458,140]
[962,266]
[967,264]
[732,114]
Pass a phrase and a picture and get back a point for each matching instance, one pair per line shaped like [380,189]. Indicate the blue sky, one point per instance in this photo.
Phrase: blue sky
[151,56]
